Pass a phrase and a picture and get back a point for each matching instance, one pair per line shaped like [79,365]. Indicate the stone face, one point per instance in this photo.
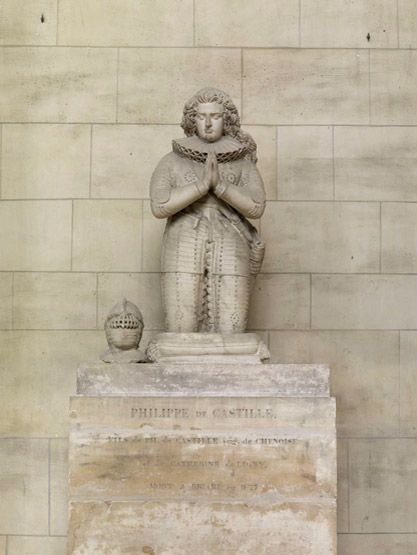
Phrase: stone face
[6,280]
[37,376]
[305,163]
[26,227]
[243,23]
[305,86]
[24,498]
[45,161]
[58,85]
[375,163]
[321,237]
[364,376]
[21,22]
[35,545]
[364,302]
[341,24]
[59,487]
[399,238]
[408,383]
[382,485]
[381,544]
[280,301]
[187,380]
[143,23]
[191,462]
[124,157]
[393,76]
[219,67]
[107,235]
[38,302]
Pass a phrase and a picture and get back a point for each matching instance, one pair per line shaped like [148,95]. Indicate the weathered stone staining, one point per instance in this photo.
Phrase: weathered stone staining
[161,467]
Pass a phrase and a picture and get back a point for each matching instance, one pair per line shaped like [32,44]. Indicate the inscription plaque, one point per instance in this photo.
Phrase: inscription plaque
[207,470]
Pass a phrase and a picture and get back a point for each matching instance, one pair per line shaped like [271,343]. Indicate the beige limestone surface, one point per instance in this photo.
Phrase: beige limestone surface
[280,301]
[139,23]
[342,485]
[399,238]
[25,230]
[364,301]
[45,161]
[3,540]
[59,486]
[219,67]
[244,23]
[335,86]
[37,545]
[407,16]
[305,163]
[6,296]
[58,85]
[24,498]
[382,485]
[124,157]
[408,383]
[375,163]
[342,24]
[96,243]
[38,302]
[37,377]
[381,544]
[28,22]
[321,237]
[364,377]
[393,99]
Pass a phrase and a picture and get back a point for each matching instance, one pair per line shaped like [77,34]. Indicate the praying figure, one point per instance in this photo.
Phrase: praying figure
[207,188]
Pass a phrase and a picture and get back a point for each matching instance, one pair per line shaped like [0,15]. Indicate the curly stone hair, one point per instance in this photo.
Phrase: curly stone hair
[231,117]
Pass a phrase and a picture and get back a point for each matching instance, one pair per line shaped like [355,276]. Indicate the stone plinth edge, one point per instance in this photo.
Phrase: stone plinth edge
[203,380]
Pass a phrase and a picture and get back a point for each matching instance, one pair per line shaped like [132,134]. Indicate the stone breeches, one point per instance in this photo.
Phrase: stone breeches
[198,245]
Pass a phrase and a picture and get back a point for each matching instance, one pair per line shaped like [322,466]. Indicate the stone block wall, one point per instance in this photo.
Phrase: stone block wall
[91,96]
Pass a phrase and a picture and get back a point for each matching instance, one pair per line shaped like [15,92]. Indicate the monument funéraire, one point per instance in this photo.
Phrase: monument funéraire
[202,447]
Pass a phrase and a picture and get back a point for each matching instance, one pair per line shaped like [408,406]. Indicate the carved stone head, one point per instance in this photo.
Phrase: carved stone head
[210,113]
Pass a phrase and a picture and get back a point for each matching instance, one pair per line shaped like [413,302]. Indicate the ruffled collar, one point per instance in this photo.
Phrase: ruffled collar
[227,149]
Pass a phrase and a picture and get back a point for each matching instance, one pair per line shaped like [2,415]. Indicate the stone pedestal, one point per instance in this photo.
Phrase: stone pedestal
[209,459]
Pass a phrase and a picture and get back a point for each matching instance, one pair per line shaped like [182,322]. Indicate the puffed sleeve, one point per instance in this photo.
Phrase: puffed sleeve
[248,196]
[166,198]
